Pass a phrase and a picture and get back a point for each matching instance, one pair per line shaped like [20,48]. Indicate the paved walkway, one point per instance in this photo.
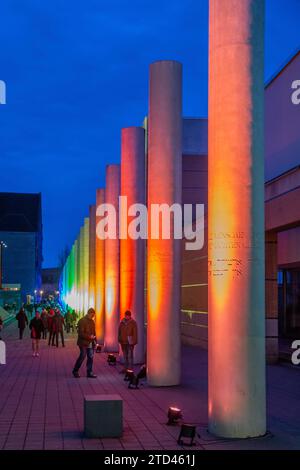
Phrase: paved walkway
[41,404]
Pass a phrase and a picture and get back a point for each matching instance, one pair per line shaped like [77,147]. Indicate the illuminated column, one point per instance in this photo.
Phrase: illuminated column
[237,407]
[112,266]
[100,274]
[75,273]
[92,264]
[164,255]
[78,275]
[81,300]
[132,252]
[86,255]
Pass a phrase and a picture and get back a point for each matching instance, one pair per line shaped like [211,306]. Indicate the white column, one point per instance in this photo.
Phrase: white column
[164,255]
[132,252]
[112,264]
[237,407]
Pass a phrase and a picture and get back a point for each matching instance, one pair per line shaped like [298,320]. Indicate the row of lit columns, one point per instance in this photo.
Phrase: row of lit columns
[110,274]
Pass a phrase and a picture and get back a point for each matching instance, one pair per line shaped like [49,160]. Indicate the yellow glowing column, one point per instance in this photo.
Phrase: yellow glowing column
[86,269]
[236,219]
[112,266]
[78,275]
[132,252]
[81,270]
[75,274]
[92,260]
[100,274]
[164,255]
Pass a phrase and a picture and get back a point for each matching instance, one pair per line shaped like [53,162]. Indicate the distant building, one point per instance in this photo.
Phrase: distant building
[21,230]
[50,281]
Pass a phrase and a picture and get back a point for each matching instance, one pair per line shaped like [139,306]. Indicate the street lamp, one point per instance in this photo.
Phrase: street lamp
[2,246]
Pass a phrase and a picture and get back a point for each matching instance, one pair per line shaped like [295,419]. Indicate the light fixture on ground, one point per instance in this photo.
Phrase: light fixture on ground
[187,431]
[174,415]
[129,374]
[111,359]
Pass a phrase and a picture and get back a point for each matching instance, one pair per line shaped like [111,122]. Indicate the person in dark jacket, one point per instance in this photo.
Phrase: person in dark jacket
[36,326]
[68,321]
[22,322]
[44,318]
[51,316]
[128,339]
[58,328]
[86,343]
[1,327]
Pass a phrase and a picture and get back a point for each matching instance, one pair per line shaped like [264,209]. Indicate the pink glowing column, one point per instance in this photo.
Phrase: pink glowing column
[164,256]
[132,251]
[92,256]
[100,274]
[236,219]
[112,264]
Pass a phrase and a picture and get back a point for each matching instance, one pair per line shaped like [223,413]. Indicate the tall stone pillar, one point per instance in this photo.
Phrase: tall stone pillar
[100,274]
[86,269]
[81,299]
[132,251]
[92,256]
[75,274]
[112,264]
[164,255]
[237,395]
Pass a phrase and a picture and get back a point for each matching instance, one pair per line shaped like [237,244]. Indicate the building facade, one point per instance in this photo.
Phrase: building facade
[21,230]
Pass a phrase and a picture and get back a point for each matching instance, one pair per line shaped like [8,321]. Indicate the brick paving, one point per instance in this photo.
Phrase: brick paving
[41,404]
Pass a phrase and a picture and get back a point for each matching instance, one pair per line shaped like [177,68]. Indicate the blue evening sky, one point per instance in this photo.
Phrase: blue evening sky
[77,71]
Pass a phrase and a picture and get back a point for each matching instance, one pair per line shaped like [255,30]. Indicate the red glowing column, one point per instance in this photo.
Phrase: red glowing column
[132,251]
[92,256]
[236,219]
[112,263]
[164,255]
[100,274]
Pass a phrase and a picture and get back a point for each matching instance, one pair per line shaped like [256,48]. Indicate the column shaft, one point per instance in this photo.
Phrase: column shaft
[100,275]
[236,301]
[164,255]
[112,264]
[132,252]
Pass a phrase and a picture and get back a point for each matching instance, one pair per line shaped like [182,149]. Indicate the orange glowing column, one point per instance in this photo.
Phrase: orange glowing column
[236,219]
[100,274]
[92,258]
[164,255]
[132,252]
[112,264]
[86,269]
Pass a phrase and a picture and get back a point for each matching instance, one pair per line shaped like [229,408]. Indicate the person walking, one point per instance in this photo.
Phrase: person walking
[51,316]
[68,321]
[86,342]
[22,321]
[58,328]
[36,326]
[44,318]
[128,339]
[1,327]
